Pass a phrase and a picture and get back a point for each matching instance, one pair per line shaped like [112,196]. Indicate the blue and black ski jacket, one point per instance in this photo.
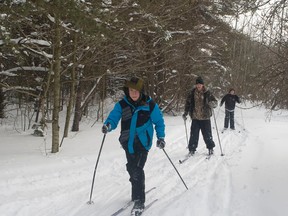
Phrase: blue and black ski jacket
[137,122]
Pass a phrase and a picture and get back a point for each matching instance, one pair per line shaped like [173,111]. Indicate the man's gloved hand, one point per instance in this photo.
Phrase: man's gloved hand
[184,116]
[212,104]
[105,128]
[161,143]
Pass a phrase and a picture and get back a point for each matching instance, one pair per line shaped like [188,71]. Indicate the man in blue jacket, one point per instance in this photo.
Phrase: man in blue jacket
[138,113]
[230,100]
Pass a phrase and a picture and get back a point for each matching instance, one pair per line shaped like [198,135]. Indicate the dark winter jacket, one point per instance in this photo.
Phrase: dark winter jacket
[209,102]
[230,101]
[137,121]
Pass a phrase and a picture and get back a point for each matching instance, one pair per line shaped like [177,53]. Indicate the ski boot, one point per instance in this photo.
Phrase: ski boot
[138,208]
[210,151]
[191,153]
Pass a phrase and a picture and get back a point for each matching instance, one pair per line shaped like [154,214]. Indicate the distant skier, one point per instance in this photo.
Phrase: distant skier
[138,113]
[230,100]
[199,105]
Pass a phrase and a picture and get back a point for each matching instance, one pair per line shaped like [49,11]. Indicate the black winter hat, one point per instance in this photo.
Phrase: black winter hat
[135,83]
[199,80]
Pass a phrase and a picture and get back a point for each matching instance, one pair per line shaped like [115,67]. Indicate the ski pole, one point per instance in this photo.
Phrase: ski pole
[217,133]
[242,119]
[218,112]
[186,132]
[175,168]
[94,123]
[91,202]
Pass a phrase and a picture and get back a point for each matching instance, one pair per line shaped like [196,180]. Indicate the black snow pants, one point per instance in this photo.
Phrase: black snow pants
[205,127]
[135,167]
[229,116]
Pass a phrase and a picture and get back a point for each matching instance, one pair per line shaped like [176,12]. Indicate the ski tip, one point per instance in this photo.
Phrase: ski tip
[180,161]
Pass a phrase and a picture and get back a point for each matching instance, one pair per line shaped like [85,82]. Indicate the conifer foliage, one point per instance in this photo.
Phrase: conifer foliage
[71,55]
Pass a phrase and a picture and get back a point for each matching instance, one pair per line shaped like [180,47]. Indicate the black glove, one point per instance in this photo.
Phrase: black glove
[212,104]
[161,143]
[105,128]
[184,116]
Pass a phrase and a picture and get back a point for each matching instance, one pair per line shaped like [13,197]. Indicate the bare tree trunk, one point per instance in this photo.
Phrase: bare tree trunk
[104,88]
[78,112]
[1,103]
[79,108]
[56,89]
[72,91]
[70,103]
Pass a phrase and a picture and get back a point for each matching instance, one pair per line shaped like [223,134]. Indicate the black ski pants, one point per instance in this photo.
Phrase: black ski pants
[135,167]
[205,127]
[229,116]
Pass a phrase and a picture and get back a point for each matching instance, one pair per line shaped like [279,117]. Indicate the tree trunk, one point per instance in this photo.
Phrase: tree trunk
[56,89]
[1,103]
[79,108]
[70,103]
[72,91]
[78,111]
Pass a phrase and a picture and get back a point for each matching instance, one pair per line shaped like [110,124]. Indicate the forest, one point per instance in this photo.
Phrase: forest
[71,55]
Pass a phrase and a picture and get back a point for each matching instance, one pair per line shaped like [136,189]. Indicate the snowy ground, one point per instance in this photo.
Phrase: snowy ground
[249,180]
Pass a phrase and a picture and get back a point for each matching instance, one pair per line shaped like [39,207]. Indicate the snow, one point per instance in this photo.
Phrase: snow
[10,72]
[28,41]
[249,180]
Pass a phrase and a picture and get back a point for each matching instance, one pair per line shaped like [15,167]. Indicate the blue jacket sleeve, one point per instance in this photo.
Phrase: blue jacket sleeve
[114,116]
[158,121]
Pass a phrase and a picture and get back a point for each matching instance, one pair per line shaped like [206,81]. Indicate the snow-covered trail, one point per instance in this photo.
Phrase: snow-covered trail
[209,181]
[260,174]
[249,180]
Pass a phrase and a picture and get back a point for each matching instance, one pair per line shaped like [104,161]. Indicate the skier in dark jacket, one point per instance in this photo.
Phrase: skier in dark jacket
[230,100]
[138,113]
[199,105]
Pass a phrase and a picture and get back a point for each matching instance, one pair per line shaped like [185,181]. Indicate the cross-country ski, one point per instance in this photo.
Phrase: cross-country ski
[140,212]
[128,204]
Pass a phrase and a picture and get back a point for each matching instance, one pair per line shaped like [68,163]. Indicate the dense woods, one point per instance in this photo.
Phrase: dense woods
[71,55]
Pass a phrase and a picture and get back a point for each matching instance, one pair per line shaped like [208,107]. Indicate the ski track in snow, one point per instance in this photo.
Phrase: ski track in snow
[202,176]
[60,184]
